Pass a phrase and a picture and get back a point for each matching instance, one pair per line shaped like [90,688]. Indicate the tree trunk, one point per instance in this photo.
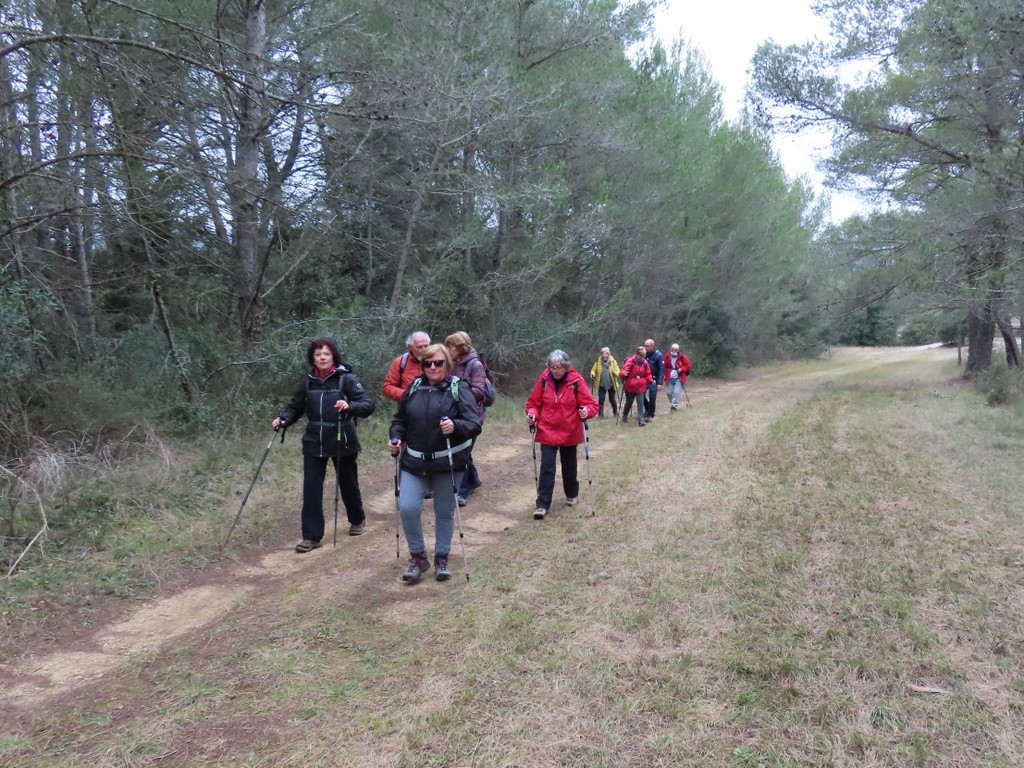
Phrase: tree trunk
[403,257]
[981,331]
[1012,351]
[246,194]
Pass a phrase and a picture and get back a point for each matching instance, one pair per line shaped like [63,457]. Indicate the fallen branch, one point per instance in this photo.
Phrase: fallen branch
[925,688]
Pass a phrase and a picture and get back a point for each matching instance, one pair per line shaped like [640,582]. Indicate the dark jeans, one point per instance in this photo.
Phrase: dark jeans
[314,470]
[650,400]
[628,404]
[546,481]
[470,478]
[601,392]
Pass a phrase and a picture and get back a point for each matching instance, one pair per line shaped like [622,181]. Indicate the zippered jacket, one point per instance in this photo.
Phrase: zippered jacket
[613,370]
[417,423]
[473,375]
[556,407]
[315,399]
[682,365]
[399,377]
[656,361]
[636,375]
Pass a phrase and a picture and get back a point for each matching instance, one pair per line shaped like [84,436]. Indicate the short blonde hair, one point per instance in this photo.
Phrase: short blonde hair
[641,350]
[460,340]
[434,349]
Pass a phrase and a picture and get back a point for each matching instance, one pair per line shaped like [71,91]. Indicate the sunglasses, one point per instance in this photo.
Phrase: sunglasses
[433,363]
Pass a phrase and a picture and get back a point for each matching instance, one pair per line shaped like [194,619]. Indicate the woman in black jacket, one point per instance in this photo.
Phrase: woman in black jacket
[435,424]
[331,397]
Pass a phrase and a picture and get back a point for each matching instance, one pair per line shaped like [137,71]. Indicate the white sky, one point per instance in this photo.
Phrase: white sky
[728,32]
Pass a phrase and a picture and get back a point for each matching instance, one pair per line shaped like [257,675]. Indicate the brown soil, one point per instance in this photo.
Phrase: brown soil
[62,658]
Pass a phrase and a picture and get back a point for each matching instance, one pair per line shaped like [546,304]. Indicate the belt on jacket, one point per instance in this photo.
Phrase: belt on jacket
[438,454]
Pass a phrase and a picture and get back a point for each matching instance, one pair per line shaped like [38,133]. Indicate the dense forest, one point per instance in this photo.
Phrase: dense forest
[191,190]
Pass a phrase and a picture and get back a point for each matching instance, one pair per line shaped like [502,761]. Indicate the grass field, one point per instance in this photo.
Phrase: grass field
[819,564]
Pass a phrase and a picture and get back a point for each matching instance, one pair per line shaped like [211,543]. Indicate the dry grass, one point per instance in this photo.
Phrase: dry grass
[819,566]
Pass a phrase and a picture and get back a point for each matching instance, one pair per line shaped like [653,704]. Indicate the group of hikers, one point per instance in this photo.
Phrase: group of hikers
[640,377]
[441,391]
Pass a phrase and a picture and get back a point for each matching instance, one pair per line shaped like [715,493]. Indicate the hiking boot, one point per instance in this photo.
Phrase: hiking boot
[571,501]
[460,500]
[539,514]
[307,545]
[641,423]
[441,572]
[357,529]
[418,565]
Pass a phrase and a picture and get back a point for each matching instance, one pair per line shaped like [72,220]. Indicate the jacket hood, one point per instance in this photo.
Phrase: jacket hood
[341,368]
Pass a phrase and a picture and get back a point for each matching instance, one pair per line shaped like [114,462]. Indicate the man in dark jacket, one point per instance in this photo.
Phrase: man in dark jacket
[656,360]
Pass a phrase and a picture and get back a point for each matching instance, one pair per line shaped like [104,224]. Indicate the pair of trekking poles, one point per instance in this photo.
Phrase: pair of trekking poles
[259,468]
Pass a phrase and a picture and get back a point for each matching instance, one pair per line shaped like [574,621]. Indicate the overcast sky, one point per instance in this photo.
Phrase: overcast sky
[728,32]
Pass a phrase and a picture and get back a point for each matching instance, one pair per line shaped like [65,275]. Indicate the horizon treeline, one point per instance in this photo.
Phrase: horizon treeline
[191,190]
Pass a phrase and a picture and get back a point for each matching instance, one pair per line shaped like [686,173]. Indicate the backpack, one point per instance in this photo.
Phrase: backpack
[490,394]
[454,388]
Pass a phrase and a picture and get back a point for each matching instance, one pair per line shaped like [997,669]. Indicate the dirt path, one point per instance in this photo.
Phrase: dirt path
[504,502]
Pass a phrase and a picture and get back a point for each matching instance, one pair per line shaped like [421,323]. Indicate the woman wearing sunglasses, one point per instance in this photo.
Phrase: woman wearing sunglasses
[433,430]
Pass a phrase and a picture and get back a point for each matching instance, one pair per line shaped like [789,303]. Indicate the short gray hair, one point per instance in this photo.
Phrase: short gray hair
[411,338]
[558,357]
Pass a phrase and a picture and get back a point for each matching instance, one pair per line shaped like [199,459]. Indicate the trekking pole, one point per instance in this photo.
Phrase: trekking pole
[337,482]
[586,454]
[455,493]
[536,477]
[686,396]
[398,514]
[252,484]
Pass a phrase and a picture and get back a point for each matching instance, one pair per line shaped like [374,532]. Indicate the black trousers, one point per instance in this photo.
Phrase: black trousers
[314,470]
[601,392]
[546,480]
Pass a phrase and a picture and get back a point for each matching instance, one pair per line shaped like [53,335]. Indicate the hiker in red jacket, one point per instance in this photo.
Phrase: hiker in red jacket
[406,366]
[557,407]
[636,376]
[677,368]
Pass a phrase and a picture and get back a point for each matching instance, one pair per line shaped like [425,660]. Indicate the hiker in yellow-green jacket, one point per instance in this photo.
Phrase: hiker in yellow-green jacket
[605,373]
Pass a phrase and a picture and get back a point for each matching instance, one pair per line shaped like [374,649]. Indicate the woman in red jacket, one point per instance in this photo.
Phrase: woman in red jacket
[636,375]
[557,407]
